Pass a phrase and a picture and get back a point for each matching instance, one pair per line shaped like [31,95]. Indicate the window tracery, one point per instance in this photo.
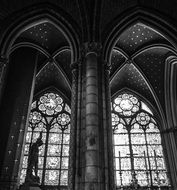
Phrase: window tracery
[138,153]
[51,115]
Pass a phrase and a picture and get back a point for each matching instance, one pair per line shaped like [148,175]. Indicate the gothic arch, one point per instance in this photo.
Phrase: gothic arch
[168,32]
[148,17]
[157,116]
[38,14]
[151,19]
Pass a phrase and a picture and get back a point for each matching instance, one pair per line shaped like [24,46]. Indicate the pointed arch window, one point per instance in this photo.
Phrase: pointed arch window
[138,152]
[51,115]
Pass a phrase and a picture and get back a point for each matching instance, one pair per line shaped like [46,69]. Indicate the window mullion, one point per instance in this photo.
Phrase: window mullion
[45,154]
[131,153]
[61,155]
[149,163]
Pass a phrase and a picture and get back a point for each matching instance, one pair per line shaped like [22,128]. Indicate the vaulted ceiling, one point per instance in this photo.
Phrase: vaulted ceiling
[138,56]
[138,62]
[54,56]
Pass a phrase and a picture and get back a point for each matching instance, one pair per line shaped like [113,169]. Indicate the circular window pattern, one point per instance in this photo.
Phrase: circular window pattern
[50,104]
[35,117]
[63,119]
[126,104]
[143,118]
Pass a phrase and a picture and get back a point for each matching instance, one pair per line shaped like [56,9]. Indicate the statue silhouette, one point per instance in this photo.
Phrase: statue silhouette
[32,167]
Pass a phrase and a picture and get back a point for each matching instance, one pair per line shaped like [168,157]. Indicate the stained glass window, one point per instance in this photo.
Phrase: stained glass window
[138,152]
[51,115]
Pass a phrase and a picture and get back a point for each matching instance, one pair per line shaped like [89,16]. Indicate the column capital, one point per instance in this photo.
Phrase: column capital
[91,47]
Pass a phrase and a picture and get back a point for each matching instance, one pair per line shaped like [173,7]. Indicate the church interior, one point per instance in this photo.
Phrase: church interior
[88,95]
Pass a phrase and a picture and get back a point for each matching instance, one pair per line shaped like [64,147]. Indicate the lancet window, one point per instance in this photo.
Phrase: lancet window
[138,152]
[51,115]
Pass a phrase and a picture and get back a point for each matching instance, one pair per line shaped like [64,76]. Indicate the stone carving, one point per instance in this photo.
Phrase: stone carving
[32,168]
[91,47]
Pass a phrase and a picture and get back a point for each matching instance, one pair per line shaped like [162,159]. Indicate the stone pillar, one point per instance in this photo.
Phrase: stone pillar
[74,129]
[107,124]
[3,66]
[92,174]
[170,133]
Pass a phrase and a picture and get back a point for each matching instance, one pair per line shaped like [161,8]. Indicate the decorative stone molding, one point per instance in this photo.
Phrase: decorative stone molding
[3,61]
[75,65]
[129,61]
[3,64]
[171,59]
[107,66]
[91,47]
[170,86]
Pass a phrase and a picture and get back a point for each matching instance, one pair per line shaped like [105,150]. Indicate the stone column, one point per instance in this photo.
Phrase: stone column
[169,134]
[107,124]
[3,66]
[92,174]
[74,129]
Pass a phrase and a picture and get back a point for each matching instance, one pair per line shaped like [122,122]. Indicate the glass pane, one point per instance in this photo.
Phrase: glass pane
[160,164]
[120,129]
[125,164]
[139,164]
[35,136]
[39,173]
[25,161]
[26,149]
[157,148]
[152,128]
[55,138]
[117,163]
[154,178]
[28,137]
[40,162]
[142,178]
[124,151]
[56,128]
[64,177]
[145,107]
[153,138]
[121,139]
[65,150]
[66,138]
[126,177]
[52,177]
[138,150]
[118,178]
[136,128]
[163,178]
[64,163]
[53,162]
[41,150]
[138,139]
[54,150]
[152,162]
[22,176]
